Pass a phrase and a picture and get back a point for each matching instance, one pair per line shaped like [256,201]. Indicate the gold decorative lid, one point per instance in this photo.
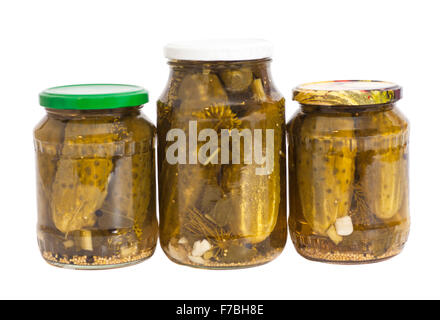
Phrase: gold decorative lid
[347,93]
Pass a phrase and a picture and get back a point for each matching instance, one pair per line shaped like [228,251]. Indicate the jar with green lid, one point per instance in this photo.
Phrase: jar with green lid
[95,154]
[221,156]
[348,170]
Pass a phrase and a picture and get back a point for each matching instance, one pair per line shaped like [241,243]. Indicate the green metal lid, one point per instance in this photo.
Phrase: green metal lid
[93,96]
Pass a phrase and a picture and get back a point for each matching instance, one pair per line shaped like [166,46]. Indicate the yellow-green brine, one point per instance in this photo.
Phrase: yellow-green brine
[348,170]
[95,153]
[221,156]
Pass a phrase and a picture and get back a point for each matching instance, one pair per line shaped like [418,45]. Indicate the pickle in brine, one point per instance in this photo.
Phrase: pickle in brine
[129,191]
[81,183]
[237,80]
[325,163]
[253,195]
[383,172]
[200,90]
[182,185]
[49,135]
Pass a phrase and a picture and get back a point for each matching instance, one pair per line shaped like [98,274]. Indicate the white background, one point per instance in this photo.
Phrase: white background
[48,43]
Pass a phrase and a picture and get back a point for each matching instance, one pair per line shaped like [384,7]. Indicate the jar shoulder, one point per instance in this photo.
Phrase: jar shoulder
[219,96]
[132,127]
[141,127]
[360,124]
[49,129]
[232,83]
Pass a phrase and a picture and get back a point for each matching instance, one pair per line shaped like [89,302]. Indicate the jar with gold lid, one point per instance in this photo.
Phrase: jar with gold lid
[95,154]
[348,169]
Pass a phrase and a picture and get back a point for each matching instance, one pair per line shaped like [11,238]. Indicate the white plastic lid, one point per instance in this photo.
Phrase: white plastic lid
[219,50]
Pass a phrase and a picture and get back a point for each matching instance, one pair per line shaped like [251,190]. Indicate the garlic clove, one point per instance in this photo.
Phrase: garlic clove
[177,253]
[200,247]
[344,226]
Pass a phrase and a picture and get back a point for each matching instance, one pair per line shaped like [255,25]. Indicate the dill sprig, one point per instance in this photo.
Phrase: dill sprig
[226,119]
[361,206]
[199,224]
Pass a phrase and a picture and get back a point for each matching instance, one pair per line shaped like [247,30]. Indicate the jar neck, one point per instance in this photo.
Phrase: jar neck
[117,112]
[218,66]
[346,109]
[231,78]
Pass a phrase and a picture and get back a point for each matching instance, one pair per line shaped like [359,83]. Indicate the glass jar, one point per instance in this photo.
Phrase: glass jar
[95,177]
[221,155]
[348,169]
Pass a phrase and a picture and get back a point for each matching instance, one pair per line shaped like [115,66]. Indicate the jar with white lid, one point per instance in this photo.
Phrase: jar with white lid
[221,156]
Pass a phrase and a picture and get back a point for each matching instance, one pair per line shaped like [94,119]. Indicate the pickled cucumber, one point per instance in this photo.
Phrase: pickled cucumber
[129,192]
[200,90]
[237,80]
[81,184]
[325,164]
[182,192]
[49,138]
[253,219]
[383,172]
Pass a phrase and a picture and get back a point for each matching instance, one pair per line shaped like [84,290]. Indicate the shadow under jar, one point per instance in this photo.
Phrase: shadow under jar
[221,155]
[95,177]
[348,170]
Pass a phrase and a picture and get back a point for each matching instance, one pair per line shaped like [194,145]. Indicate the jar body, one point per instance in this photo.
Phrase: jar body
[348,169]
[222,207]
[96,187]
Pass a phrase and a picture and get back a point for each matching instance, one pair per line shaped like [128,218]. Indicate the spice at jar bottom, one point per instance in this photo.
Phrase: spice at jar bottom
[348,169]
[95,177]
